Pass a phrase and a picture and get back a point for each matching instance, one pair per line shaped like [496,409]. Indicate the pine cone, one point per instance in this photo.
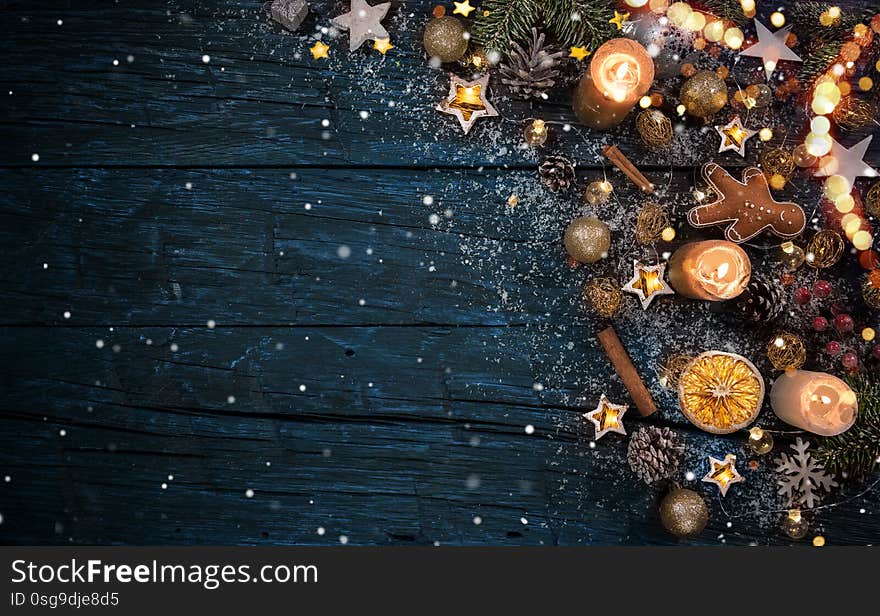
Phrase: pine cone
[654,453]
[530,73]
[761,301]
[557,173]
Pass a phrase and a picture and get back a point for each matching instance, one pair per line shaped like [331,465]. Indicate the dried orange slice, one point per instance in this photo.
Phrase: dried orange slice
[720,392]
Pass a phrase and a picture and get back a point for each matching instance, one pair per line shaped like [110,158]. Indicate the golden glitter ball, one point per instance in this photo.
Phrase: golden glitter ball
[704,94]
[445,38]
[654,128]
[684,513]
[604,297]
[587,239]
[786,351]
[720,392]
[824,249]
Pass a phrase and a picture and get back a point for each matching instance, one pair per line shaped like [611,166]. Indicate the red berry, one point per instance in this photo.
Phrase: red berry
[787,278]
[850,360]
[822,288]
[843,323]
[802,295]
[833,348]
[820,324]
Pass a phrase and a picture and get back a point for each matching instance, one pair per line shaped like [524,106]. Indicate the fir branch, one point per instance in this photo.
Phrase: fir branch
[820,61]
[730,10]
[580,22]
[804,16]
[854,453]
[502,21]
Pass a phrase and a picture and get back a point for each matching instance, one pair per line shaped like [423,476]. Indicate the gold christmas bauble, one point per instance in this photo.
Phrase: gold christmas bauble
[598,192]
[651,221]
[445,39]
[853,113]
[824,249]
[872,200]
[587,239]
[654,128]
[786,351]
[704,94]
[604,297]
[670,370]
[684,513]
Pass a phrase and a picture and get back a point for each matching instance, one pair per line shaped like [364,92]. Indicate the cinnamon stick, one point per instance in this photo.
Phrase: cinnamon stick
[619,159]
[616,352]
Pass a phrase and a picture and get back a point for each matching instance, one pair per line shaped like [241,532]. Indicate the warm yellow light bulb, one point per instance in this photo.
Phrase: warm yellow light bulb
[817,145]
[844,203]
[765,134]
[834,12]
[645,102]
[714,31]
[837,185]
[865,84]
[733,38]
[862,240]
[777,19]
[868,334]
[820,125]
[668,234]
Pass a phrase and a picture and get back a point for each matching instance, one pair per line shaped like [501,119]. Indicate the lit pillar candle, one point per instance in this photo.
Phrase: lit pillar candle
[814,401]
[713,270]
[620,73]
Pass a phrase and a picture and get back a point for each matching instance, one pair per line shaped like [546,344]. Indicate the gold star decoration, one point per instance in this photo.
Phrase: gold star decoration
[723,473]
[319,50]
[647,283]
[382,45]
[463,8]
[579,53]
[467,101]
[607,417]
[734,136]
[619,19]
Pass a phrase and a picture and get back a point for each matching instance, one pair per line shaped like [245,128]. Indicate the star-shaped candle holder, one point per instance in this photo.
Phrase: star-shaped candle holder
[647,282]
[467,101]
[734,136]
[607,417]
[723,473]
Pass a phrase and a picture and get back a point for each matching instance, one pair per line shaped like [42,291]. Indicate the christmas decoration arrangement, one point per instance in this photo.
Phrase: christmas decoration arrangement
[776,98]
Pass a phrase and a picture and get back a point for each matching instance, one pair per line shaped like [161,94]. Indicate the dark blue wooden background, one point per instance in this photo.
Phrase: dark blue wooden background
[383,396]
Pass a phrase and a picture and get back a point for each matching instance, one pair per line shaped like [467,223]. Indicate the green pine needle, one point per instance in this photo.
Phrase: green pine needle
[854,453]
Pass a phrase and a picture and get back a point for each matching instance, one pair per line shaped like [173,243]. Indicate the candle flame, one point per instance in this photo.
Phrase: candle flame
[722,270]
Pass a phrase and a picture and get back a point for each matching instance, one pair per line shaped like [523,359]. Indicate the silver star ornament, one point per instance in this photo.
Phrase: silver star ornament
[362,23]
[771,48]
[849,163]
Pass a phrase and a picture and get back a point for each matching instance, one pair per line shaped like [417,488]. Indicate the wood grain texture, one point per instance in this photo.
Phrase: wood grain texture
[383,395]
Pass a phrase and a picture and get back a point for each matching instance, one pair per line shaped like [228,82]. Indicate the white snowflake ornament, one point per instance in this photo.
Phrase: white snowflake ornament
[801,478]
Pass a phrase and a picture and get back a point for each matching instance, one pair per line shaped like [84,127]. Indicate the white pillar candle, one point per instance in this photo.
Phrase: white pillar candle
[814,401]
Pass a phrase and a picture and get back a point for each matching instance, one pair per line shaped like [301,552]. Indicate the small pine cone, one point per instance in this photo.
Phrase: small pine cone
[654,453]
[761,301]
[531,72]
[557,173]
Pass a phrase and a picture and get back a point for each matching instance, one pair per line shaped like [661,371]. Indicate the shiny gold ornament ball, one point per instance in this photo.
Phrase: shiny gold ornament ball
[778,161]
[445,39]
[604,297]
[786,351]
[654,128]
[853,113]
[824,249]
[872,200]
[587,239]
[704,94]
[684,513]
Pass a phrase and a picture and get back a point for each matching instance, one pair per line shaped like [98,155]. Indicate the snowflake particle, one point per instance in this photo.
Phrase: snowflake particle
[801,478]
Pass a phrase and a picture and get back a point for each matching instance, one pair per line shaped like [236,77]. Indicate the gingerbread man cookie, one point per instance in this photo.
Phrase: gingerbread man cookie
[747,205]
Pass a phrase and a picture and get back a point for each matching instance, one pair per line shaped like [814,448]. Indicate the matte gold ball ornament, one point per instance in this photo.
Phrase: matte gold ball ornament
[587,239]
[445,39]
[704,94]
[684,513]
